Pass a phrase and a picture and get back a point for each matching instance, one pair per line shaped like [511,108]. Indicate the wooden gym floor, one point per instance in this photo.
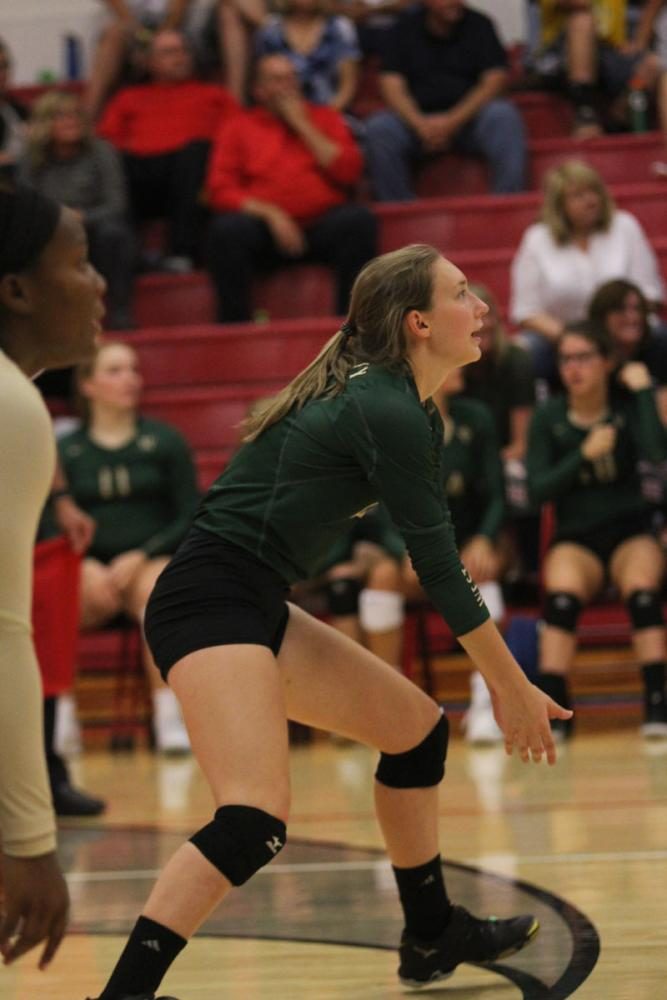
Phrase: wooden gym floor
[582,845]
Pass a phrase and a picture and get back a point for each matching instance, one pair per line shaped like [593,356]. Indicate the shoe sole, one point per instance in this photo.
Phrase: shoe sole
[437,977]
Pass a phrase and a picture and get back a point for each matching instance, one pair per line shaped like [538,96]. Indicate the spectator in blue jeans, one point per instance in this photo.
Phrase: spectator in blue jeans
[443,71]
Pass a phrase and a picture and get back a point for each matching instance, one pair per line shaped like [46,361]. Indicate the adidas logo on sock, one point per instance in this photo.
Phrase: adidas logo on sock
[274,845]
[153,945]
[429,880]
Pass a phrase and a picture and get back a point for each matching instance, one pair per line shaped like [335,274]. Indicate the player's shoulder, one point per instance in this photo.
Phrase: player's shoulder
[375,381]
[388,401]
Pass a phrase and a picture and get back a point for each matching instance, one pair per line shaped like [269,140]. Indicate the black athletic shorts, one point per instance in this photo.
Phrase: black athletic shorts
[214,593]
[604,541]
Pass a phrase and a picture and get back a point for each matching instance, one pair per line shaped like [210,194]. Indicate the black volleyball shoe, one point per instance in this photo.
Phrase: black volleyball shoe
[464,939]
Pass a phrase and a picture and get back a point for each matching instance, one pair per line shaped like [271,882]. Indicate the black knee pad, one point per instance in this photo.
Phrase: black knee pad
[645,609]
[343,595]
[421,767]
[562,610]
[240,840]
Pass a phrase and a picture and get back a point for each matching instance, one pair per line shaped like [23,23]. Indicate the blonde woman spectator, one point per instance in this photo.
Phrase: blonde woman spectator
[581,241]
[65,161]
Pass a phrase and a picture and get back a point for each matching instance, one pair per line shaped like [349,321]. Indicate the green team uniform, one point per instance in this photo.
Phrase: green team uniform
[375,527]
[590,495]
[288,496]
[472,471]
[142,496]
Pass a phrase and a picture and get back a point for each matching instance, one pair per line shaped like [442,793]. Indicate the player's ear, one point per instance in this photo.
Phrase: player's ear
[15,294]
[416,324]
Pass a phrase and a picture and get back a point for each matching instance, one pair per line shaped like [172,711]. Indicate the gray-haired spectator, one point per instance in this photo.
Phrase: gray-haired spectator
[12,116]
[65,161]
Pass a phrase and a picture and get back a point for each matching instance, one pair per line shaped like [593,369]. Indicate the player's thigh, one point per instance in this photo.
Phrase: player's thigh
[99,598]
[335,684]
[637,564]
[574,569]
[234,709]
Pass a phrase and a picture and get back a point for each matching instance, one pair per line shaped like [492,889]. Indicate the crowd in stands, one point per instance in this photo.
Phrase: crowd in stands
[168,80]
[236,124]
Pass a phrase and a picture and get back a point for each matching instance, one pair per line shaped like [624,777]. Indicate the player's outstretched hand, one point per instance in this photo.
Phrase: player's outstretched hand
[524,718]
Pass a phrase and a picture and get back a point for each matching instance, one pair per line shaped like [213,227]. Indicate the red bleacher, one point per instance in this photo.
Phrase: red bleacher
[480,232]
[232,355]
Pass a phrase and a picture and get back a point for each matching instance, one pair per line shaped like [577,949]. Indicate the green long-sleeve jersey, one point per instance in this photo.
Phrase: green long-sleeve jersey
[290,494]
[588,495]
[142,496]
[473,471]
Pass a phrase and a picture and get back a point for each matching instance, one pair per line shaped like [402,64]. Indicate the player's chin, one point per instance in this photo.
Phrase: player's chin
[475,351]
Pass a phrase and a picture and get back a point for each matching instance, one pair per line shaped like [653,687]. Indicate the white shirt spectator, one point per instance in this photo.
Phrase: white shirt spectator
[560,280]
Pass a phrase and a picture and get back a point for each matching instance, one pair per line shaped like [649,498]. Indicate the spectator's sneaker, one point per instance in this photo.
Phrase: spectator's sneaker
[654,726]
[479,721]
[464,939]
[70,801]
[481,727]
[171,736]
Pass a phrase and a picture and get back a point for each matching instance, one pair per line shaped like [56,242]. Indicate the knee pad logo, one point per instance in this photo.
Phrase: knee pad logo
[274,845]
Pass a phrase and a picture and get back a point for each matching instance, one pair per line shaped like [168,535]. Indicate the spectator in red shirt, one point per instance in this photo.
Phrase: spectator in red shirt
[279,178]
[164,129]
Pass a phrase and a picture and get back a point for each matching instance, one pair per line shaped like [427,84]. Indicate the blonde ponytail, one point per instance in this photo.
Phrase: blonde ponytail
[385,290]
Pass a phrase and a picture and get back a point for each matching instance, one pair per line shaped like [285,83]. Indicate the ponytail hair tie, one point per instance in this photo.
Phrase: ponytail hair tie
[348,330]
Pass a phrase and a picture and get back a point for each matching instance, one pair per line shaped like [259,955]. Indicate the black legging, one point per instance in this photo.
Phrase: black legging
[58,773]
[241,245]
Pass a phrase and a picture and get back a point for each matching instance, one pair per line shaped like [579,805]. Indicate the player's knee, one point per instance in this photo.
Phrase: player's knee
[240,840]
[561,610]
[99,606]
[342,595]
[421,767]
[645,609]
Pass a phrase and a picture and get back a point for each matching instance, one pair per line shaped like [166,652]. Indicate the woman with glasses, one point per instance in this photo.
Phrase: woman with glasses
[621,309]
[583,452]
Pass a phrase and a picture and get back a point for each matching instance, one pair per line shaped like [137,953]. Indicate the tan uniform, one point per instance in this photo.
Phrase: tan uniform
[27,461]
